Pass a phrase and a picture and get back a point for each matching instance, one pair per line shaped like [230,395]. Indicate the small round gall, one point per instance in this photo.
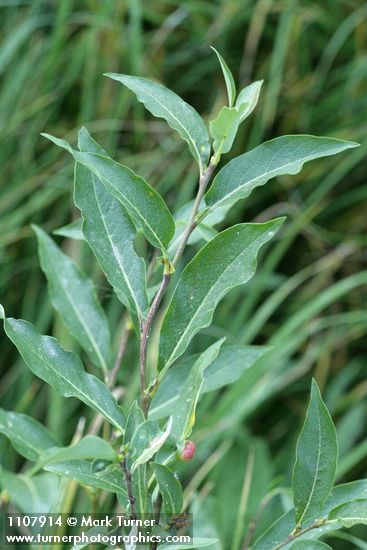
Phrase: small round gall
[188,451]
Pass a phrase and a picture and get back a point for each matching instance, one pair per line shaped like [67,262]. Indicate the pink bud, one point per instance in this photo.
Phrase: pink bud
[188,451]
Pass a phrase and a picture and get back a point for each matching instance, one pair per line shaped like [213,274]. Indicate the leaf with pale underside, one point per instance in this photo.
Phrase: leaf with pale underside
[146,442]
[223,263]
[143,204]
[316,460]
[73,296]
[180,116]
[249,97]
[62,369]
[110,233]
[280,156]
[350,513]
[169,487]
[228,78]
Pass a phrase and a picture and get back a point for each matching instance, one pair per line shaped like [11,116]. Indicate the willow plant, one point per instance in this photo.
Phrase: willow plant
[137,458]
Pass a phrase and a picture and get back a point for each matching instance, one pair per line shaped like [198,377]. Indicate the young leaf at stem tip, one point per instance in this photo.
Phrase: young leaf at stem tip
[145,206]
[226,261]
[228,78]
[316,460]
[180,116]
[73,296]
[110,233]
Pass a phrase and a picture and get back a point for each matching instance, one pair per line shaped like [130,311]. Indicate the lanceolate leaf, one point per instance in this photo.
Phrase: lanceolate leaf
[226,261]
[223,128]
[350,513]
[91,447]
[248,97]
[134,419]
[283,155]
[37,494]
[28,437]
[180,116]
[146,442]
[73,296]
[228,77]
[228,367]
[169,487]
[145,206]
[62,369]
[110,233]
[109,478]
[183,414]
[316,460]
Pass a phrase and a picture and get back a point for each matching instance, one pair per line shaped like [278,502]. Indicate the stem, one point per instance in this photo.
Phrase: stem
[295,534]
[157,514]
[147,325]
[127,476]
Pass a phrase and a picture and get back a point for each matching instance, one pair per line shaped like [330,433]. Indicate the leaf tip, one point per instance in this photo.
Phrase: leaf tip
[2,312]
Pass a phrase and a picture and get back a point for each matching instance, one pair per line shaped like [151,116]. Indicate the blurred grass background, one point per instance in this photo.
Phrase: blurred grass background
[308,299]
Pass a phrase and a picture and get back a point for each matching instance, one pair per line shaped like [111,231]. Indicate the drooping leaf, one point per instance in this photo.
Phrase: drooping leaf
[146,442]
[279,156]
[72,231]
[169,487]
[62,369]
[143,204]
[228,367]
[350,513]
[226,261]
[90,447]
[249,97]
[228,78]
[36,494]
[183,414]
[316,460]
[108,478]
[28,437]
[73,296]
[109,232]
[310,545]
[180,116]
[223,128]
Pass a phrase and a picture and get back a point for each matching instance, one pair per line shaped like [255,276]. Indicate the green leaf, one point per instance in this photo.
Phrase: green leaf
[248,97]
[146,441]
[145,206]
[183,415]
[316,460]
[228,367]
[226,261]
[36,494]
[90,447]
[223,128]
[73,296]
[72,231]
[310,545]
[228,77]
[350,513]
[110,233]
[134,419]
[180,116]
[62,369]
[169,487]
[196,542]
[109,478]
[28,437]
[283,155]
